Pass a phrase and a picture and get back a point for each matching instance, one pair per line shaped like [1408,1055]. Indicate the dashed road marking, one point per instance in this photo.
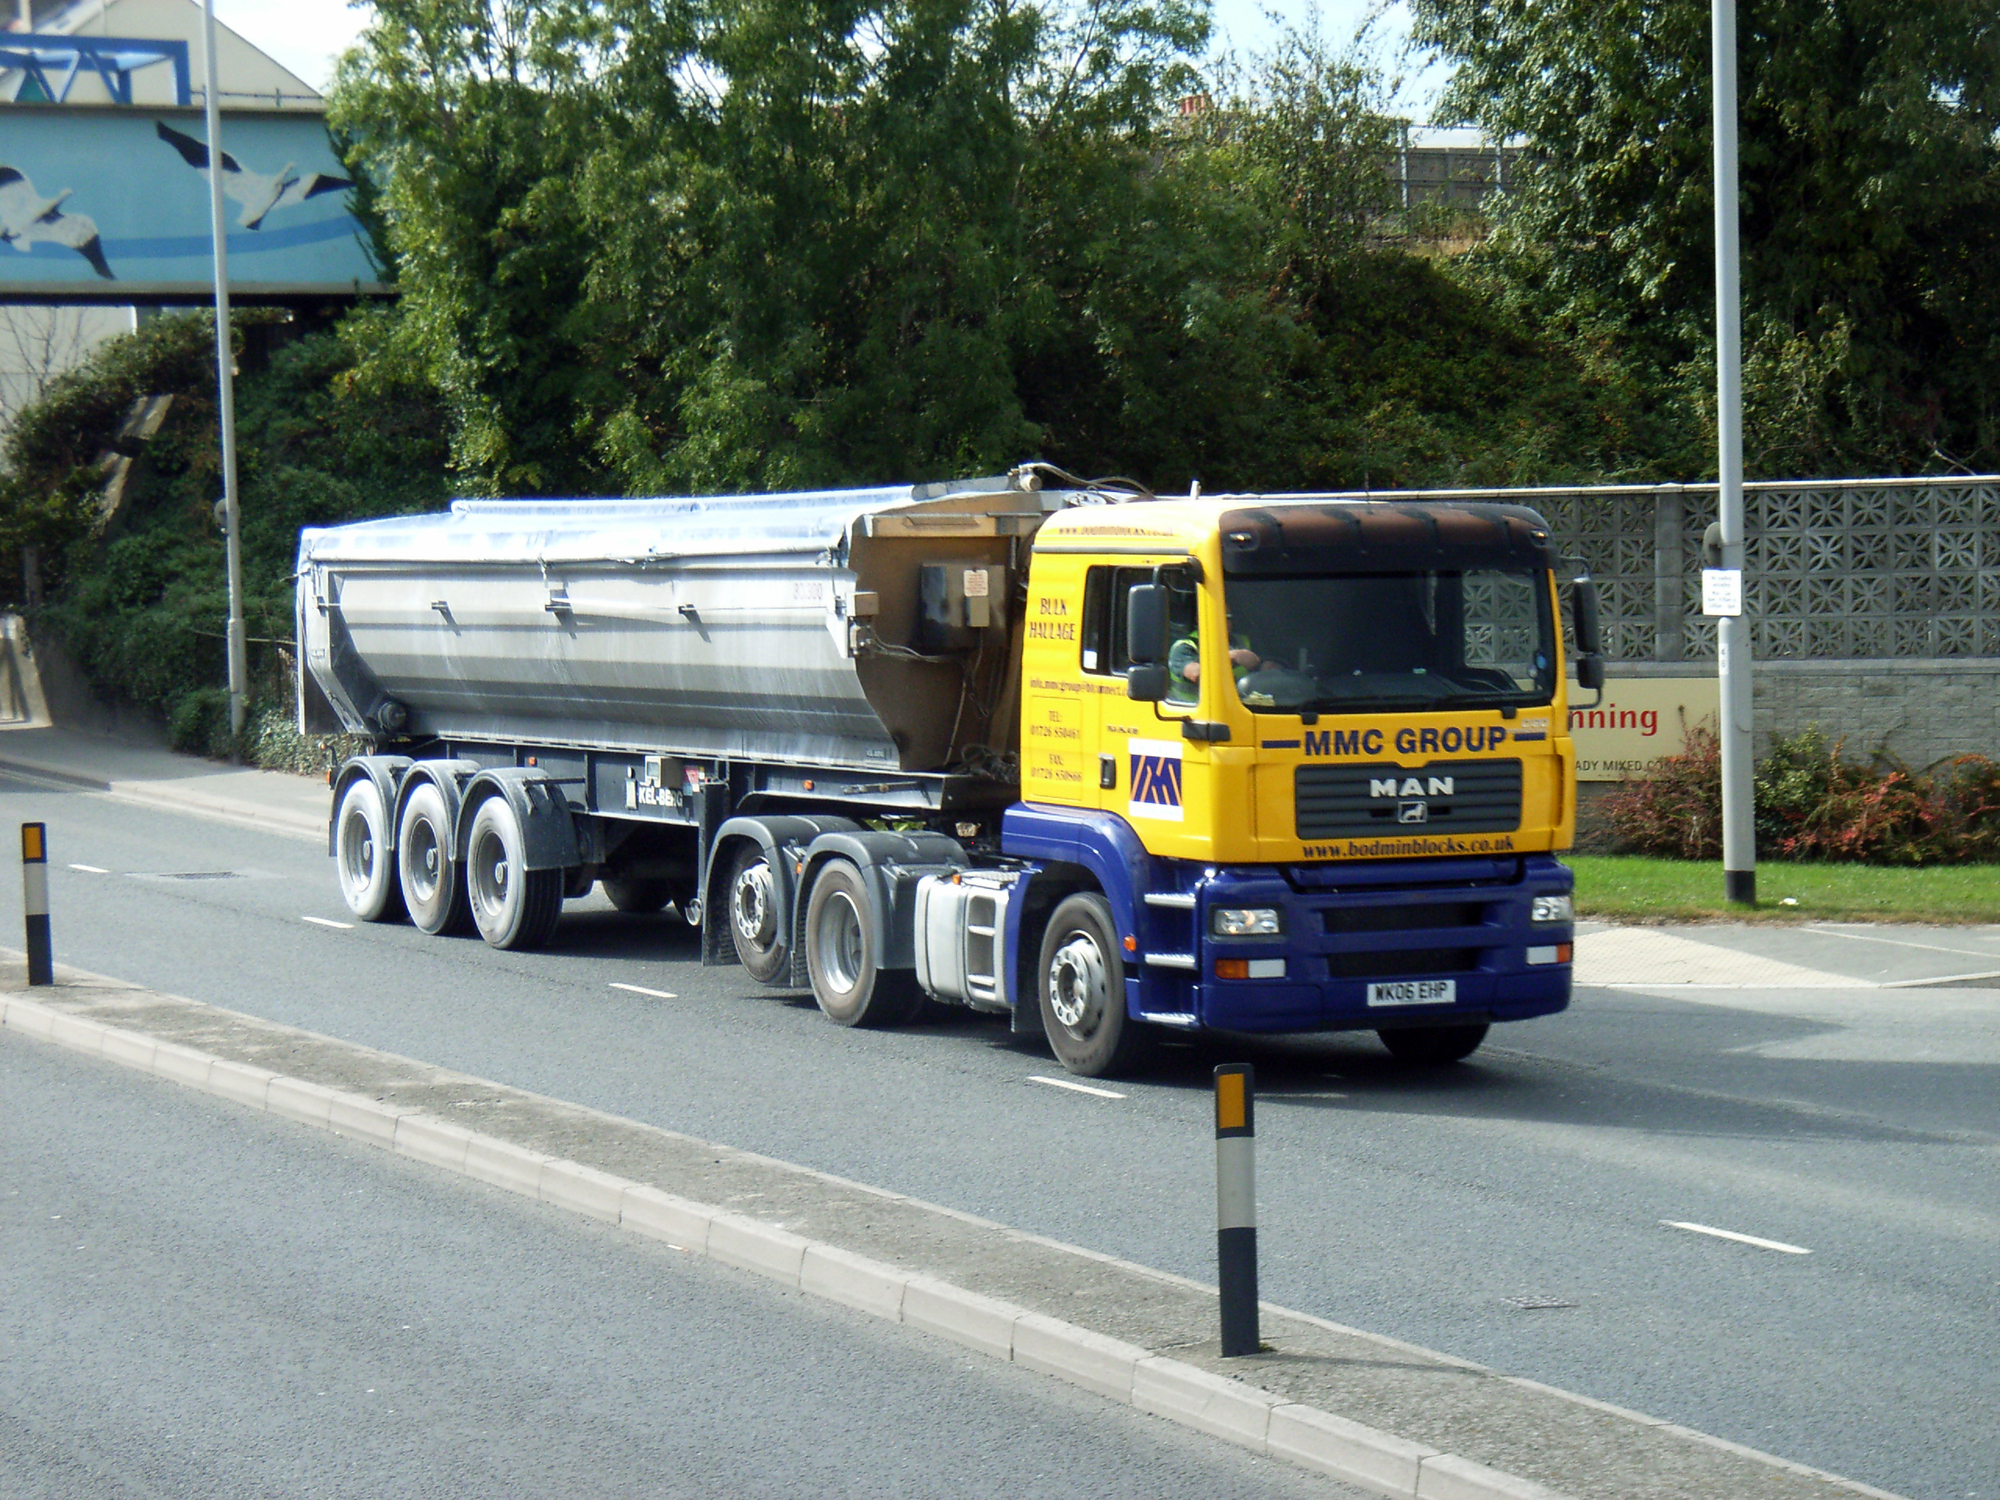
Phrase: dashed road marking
[1080,1088]
[90,869]
[1741,1239]
[640,989]
[324,922]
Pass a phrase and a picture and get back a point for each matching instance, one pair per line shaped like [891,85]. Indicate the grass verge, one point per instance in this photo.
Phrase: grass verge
[1629,888]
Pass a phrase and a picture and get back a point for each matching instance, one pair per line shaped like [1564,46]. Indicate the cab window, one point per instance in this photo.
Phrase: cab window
[1104,649]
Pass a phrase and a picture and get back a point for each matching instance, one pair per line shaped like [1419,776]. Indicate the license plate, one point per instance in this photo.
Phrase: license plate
[1414,992]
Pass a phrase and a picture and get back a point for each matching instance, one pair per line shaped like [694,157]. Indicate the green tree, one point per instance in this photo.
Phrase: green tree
[1870,184]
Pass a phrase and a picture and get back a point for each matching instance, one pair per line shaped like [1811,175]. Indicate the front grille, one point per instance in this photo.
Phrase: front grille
[1464,796]
[1414,918]
[1405,964]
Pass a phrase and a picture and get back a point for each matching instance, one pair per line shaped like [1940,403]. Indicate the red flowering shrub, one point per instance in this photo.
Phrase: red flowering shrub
[1811,804]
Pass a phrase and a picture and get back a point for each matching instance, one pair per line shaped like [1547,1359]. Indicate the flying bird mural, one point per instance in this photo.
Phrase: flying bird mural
[260,193]
[28,219]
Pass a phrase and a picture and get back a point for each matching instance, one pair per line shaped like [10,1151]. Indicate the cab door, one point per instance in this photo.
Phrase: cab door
[1149,773]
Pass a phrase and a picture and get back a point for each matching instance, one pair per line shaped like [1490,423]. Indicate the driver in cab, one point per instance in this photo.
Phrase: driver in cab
[1184,662]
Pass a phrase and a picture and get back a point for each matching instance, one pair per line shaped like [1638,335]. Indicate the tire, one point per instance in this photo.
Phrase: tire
[1432,1046]
[364,851]
[640,897]
[433,883]
[512,907]
[848,980]
[1083,992]
[751,901]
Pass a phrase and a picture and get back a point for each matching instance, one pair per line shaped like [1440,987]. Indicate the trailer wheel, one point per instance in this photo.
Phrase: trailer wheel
[365,853]
[848,980]
[433,884]
[512,907]
[1083,991]
[753,917]
[638,896]
[1432,1045]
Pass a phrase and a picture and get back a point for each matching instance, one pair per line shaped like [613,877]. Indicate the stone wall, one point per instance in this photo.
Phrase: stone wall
[1918,711]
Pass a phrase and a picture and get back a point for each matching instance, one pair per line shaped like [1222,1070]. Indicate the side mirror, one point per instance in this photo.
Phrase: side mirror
[1583,614]
[1146,625]
[1148,683]
[1590,673]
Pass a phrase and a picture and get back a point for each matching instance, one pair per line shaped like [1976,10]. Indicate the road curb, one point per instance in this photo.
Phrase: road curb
[1233,1410]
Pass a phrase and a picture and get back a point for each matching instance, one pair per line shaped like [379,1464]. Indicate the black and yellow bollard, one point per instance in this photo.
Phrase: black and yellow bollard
[1236,1205]
[35,901]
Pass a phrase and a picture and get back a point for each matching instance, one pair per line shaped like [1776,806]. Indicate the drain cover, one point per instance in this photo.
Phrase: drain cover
[1536,1304]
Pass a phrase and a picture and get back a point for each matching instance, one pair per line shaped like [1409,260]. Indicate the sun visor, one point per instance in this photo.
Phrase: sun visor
[1379,537]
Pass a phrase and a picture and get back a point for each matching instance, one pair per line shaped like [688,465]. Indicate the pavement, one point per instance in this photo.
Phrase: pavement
[152,777]
[1376,1412]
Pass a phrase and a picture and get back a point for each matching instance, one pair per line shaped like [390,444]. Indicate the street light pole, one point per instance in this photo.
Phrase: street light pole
[1723,584]
[232,509]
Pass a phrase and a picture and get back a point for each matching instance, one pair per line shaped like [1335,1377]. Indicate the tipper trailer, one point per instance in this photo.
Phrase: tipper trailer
[1104,763]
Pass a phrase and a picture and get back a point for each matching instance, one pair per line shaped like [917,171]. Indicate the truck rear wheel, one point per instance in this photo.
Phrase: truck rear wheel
[365,853]
[752,898]
[1083,991]
[433,884]
[1432,1045]
[848,980]
[512,907]
[638,896]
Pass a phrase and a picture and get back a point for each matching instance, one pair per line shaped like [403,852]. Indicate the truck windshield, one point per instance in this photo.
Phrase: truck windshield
[1344,643]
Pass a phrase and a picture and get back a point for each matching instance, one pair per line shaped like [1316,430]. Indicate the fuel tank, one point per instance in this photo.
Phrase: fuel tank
[850,628]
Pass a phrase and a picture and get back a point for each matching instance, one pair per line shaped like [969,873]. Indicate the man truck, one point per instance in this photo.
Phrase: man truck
[1107,764]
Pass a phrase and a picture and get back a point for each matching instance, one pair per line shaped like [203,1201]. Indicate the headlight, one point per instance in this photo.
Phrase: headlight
[1552,909]
[1246,921]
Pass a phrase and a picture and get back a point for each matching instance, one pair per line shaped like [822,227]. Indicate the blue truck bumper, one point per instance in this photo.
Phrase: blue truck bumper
[1364,946]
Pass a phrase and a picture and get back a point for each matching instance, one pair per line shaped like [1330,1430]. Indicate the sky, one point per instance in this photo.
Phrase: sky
[307,35]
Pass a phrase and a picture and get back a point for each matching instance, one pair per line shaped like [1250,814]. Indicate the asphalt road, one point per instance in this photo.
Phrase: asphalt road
[196,1301]
[1860,1125]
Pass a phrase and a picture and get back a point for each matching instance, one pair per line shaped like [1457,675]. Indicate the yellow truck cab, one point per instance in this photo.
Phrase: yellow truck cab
[1315,754]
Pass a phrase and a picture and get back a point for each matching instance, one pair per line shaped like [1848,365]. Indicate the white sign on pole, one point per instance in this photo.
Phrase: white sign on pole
[1722,591]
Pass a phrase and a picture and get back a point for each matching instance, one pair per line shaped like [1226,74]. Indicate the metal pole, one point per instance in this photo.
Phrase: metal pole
[1236,1205]
[232,508]
[1739,845]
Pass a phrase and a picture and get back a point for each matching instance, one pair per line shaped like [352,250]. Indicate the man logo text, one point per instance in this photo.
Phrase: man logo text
[1412,786]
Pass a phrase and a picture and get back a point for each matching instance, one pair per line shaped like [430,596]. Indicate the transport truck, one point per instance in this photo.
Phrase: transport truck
[1110,765]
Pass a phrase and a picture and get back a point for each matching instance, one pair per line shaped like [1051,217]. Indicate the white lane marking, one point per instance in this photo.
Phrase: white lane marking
[640,989]
[1943,981]
[323,922]
[1080,1088]
[90,869]
[1863,937]
[1741,1239]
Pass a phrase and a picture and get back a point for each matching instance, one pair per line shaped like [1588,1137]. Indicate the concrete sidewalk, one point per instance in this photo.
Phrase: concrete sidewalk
[150,776]
[1384,1415]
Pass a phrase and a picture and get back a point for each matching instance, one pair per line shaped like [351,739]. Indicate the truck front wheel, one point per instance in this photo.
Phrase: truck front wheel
[848,979]
[1432,1045]
[512,907]
[365,851]
[1083,991]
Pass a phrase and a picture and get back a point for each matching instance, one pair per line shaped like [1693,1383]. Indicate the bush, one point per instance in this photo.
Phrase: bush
[1677,811]
[1812,804]
[330,429]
